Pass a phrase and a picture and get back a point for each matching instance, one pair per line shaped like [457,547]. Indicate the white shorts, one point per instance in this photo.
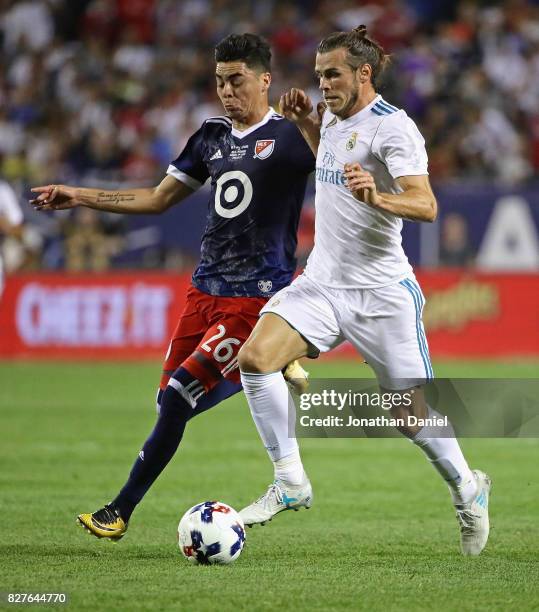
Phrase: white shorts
[383,324]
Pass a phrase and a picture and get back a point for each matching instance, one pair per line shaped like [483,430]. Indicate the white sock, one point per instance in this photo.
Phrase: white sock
[289,469]
[274,414]
[446,456]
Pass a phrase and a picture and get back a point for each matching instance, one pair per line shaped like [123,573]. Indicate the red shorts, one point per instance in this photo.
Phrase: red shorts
[209,335]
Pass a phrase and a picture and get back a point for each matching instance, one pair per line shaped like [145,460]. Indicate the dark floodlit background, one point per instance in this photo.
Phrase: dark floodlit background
[106,93]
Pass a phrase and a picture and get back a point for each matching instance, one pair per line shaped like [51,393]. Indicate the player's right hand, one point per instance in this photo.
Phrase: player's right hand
[295,105]
[54,197]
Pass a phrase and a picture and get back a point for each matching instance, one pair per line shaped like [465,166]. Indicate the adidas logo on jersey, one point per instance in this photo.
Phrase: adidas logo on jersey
[217,155]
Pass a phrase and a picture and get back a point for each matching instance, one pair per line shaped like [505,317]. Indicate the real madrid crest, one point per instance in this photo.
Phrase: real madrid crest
[351,141]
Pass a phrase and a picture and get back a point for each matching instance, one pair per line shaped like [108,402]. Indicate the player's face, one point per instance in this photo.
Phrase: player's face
[241,89]
[339,82]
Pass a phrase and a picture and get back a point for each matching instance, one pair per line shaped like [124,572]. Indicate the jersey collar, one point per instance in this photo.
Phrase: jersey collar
[243,133]
[344,123]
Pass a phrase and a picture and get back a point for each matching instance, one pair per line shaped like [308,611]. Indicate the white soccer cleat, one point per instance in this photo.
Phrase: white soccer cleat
[277,498]
[473,517]
[296,377]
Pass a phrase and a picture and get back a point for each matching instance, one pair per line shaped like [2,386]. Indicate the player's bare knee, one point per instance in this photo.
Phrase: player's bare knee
[253,358]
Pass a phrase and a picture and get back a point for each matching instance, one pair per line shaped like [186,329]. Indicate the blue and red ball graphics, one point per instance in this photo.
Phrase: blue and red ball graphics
[211,532]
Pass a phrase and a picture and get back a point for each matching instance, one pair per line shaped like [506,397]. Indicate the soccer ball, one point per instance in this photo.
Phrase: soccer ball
[211,532]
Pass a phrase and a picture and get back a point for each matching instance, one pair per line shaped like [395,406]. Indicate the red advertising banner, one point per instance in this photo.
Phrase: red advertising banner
[131,315]
[481,315]
[110,316]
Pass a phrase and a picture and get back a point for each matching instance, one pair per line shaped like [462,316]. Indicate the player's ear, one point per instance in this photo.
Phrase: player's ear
[265,79]
[365,73]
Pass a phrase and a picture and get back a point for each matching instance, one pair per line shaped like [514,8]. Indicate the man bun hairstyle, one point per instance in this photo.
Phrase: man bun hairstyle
[249,48]
[361,31]
[360,50]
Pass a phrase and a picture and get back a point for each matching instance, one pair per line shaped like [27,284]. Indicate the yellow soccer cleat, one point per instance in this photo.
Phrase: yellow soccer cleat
[296,377]
[104,523]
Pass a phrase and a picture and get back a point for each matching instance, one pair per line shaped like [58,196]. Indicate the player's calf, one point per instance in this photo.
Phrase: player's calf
[415,406]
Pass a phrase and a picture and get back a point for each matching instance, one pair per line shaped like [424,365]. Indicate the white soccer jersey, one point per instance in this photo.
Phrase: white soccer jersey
[357,246]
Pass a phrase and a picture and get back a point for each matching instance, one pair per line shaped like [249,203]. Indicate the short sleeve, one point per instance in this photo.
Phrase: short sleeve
[399,145]
[9,205]
[189,167]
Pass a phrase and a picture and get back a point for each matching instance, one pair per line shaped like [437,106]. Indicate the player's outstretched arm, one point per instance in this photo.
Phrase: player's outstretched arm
[296,106]
[416,202]
[134,201]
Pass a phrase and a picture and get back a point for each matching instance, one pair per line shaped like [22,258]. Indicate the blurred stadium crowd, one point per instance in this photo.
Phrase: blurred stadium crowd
[106,92]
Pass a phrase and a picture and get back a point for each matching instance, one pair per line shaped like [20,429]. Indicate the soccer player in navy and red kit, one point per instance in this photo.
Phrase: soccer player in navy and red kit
[258,164]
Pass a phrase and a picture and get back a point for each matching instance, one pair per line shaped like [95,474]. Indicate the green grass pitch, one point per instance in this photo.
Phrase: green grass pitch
[381,534]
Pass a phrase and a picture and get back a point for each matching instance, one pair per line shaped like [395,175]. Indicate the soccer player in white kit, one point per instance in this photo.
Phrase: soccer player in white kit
[371,172]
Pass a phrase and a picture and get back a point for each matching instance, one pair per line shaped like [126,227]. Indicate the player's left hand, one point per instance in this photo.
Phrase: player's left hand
[361,184]
[295,105]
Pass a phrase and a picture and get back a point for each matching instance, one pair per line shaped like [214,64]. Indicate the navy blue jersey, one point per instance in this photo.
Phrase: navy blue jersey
[258,180]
